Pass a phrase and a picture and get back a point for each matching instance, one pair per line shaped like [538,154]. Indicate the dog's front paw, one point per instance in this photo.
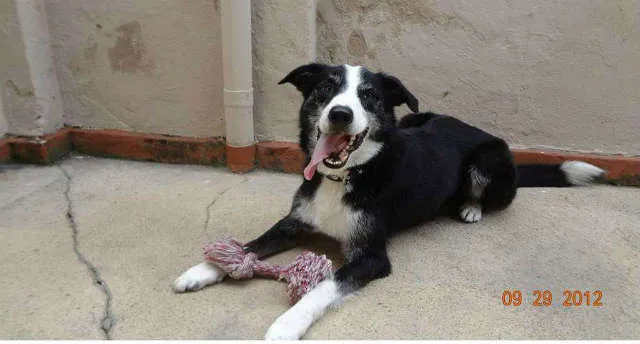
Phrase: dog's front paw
[198,277]
[286,328]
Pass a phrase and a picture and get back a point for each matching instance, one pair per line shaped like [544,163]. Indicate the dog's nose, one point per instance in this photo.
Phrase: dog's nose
[340,116]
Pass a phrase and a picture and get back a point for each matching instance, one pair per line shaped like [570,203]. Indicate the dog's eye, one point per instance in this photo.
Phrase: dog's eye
[326,88]
[323,92]
[370,95]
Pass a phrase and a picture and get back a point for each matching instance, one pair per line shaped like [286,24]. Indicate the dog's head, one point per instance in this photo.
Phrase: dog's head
[346,115]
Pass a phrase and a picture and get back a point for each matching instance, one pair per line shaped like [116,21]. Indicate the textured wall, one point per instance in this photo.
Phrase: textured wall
[283,38]
[28,85]
[4,125]
[537,72]
[149,66]
[17,91]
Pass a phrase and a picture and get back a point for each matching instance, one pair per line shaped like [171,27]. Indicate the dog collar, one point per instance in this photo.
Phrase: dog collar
[346,178]
[334,178]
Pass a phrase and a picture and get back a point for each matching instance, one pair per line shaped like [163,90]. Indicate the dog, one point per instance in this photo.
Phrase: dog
[368,176]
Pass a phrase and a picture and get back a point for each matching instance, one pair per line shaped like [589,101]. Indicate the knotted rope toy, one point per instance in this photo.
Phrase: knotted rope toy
[306,271]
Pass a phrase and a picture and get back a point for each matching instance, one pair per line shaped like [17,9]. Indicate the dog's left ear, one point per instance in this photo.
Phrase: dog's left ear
[397,94]
[306,77]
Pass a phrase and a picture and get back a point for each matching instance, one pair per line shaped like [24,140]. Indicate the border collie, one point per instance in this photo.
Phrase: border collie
[367,177]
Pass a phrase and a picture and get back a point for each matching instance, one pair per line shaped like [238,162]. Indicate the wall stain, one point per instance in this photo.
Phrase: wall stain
[415,12]
[129,53]
[90,52]
[20,93]
[357,45]
[381,24]
[84,61]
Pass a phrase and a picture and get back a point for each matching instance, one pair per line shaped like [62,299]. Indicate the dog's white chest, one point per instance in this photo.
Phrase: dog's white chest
[330,214]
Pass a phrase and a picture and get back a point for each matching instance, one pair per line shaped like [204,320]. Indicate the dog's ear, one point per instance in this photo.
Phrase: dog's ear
[306,77]
[397,94]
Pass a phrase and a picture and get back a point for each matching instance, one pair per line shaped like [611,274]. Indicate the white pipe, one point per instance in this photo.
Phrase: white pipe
[237,70]
[37,46]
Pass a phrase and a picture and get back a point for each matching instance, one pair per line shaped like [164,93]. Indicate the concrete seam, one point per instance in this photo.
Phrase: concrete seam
[213,202]
[107,322]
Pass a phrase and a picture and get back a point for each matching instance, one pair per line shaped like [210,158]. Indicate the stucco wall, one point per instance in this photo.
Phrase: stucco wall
[17,92]
[561,74]
[28,84]
[539,73]
[4,125]
[147,66]
[284,37]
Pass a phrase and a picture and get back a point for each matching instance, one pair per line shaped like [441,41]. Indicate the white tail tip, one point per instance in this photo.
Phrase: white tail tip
[581,173]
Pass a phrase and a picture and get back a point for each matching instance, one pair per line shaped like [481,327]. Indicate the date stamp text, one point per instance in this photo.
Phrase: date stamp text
[544,298]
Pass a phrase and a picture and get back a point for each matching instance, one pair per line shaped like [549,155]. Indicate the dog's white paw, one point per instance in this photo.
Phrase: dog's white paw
[198,277]
[295,322]
[470,213]
[286,327]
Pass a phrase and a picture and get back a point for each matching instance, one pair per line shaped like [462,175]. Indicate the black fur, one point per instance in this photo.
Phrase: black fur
[542,175]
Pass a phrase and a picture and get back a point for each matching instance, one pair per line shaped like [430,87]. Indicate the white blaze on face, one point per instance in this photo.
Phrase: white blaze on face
[329,142]
[349,98]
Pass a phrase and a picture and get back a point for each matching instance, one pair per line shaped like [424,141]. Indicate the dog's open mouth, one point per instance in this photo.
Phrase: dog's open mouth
[338,159]
[333,151]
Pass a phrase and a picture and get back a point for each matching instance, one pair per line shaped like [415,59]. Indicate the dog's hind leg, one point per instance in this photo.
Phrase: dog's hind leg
[471,209]
[490,180]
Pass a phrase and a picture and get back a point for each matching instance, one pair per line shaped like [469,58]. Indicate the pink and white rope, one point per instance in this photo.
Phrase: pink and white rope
[306,271]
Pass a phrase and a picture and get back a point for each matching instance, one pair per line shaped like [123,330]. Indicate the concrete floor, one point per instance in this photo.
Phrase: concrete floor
[139,225]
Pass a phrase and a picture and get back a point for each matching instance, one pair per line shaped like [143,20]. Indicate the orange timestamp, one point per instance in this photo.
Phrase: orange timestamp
[570,298]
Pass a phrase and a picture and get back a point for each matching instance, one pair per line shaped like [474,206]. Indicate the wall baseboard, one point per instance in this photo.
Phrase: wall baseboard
[41,150]
[272,155]
[148,147]
[280,156]
[5,151]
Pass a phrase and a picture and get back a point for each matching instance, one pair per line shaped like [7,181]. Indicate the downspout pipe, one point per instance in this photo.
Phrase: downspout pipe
[238,89]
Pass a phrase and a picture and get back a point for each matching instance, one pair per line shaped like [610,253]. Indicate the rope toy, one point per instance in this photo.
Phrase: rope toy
[306,271]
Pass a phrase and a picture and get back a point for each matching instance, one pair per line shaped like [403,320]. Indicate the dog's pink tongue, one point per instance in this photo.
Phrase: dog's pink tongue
[325,146]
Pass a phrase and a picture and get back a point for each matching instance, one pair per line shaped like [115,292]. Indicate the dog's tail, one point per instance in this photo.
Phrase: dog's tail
[569,173]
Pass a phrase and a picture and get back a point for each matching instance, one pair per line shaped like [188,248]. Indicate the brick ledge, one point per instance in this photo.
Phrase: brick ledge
[278,156]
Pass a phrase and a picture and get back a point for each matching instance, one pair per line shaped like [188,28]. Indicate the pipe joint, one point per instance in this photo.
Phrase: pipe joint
[238,98]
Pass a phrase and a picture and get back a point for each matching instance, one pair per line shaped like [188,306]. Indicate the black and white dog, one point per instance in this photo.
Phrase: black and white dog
[368,177]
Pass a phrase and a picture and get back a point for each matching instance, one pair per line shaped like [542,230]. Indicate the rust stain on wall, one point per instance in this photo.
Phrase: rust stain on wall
[129,54]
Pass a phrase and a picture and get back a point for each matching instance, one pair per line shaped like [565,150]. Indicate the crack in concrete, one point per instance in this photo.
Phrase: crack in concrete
[107,322]
[213,202]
